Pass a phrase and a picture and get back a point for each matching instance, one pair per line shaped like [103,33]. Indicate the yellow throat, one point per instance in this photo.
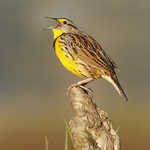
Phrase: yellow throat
[57,33]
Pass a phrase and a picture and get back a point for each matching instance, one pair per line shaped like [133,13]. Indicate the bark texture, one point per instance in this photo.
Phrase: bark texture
[91,127]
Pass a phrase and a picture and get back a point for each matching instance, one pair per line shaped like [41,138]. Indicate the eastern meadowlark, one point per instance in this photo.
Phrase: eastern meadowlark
[83,55]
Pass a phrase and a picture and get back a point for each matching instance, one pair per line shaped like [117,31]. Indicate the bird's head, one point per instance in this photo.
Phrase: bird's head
[62,25]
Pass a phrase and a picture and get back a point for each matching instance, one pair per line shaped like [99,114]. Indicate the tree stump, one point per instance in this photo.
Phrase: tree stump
[91,127]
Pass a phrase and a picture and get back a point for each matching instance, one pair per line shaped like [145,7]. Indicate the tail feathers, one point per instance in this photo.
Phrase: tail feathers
[114,81]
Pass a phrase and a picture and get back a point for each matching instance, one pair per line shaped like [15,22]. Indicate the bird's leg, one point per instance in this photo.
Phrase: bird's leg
[80,84]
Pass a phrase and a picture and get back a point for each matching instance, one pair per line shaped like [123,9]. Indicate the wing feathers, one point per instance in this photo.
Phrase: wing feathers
[89,50]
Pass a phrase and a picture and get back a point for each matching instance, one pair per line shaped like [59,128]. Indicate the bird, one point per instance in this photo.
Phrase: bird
[82,55]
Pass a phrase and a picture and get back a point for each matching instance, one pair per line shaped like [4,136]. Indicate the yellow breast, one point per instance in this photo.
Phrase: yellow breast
[67,62]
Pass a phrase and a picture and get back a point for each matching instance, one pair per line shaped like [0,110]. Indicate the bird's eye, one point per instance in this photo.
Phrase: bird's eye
[65,22]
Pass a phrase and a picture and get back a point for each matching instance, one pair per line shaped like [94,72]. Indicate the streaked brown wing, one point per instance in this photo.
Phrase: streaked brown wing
[88,50]
[100,50]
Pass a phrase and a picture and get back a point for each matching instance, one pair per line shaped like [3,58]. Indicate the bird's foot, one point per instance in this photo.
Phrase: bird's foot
[84,87]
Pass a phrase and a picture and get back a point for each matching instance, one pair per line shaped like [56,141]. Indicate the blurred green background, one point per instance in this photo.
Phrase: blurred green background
[33,82]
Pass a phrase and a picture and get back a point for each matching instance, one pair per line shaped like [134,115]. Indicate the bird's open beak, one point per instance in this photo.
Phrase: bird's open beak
[54,23]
